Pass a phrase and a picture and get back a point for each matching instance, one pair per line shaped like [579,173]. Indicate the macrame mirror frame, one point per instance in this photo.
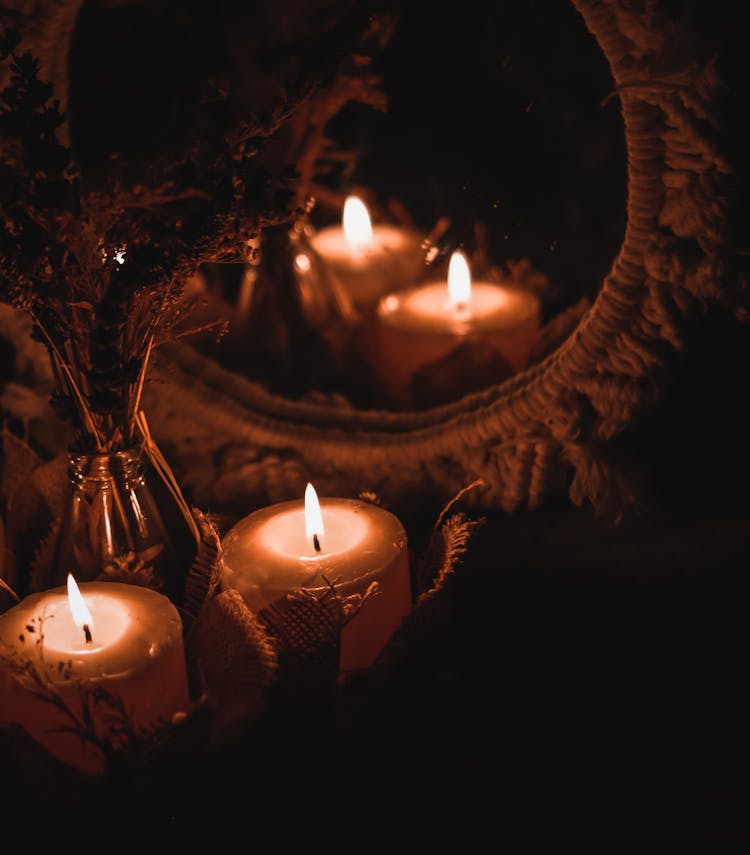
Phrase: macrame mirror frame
[546,430]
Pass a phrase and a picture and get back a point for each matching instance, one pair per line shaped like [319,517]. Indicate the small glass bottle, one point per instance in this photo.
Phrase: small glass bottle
[116,531]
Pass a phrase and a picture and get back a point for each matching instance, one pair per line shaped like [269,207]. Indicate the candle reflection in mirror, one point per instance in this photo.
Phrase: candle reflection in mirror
[423,325]
[368,260]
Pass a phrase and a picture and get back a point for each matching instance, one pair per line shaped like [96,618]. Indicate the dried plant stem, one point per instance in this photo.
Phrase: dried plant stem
[6,587]
[71,383]
[163,469]
[117,502]
[135,399]
[210,325]
[59,382]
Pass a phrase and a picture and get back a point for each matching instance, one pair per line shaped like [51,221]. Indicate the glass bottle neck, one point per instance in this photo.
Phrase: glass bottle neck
[126,467]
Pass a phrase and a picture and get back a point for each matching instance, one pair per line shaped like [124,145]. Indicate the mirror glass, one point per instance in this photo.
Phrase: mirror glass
[498,137]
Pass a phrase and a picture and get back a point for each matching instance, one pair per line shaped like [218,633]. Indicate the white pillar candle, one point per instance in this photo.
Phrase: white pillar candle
[273,551]
[368,260]
[127,640]
[423,324]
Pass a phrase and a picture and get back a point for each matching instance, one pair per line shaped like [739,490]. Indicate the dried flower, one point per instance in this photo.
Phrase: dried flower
[100,262]
[101,270]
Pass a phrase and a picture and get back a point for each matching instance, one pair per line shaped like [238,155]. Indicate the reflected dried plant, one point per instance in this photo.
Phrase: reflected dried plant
[101,270]
[100,261]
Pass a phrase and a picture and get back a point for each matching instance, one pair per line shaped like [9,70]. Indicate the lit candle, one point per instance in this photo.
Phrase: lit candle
[313,543]
[124,639]
[369,260]
[425,323]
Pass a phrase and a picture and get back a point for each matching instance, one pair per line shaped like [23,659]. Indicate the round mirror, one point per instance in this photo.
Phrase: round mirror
[503,140]
[467,141]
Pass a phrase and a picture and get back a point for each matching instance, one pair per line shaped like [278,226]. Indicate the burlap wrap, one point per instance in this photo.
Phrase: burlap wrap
[236,659]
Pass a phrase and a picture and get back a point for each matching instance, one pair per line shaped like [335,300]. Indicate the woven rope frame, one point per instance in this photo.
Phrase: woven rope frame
[544,430]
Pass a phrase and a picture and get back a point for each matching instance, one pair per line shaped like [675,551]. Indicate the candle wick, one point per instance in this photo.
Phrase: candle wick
[316,542]
[87,633]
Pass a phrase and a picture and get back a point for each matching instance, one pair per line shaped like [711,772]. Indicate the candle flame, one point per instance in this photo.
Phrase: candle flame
[356,221]
[78,608]
[459,280]
[313,516]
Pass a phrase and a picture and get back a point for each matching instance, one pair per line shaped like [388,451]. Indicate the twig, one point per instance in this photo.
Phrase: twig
[201,329]
[136,398]
[120,508]
[84,411]
[162,467]
[6,587]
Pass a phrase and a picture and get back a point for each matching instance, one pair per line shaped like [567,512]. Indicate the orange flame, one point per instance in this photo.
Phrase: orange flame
[313,516]
[356,222]
[78,608]
[459,280]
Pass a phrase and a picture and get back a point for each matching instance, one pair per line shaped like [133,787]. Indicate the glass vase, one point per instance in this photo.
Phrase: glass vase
[116,531]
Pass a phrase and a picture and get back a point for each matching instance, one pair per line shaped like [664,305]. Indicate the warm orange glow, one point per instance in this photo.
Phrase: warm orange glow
[313,516]
[78,608]
[459,280]
[356,221]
